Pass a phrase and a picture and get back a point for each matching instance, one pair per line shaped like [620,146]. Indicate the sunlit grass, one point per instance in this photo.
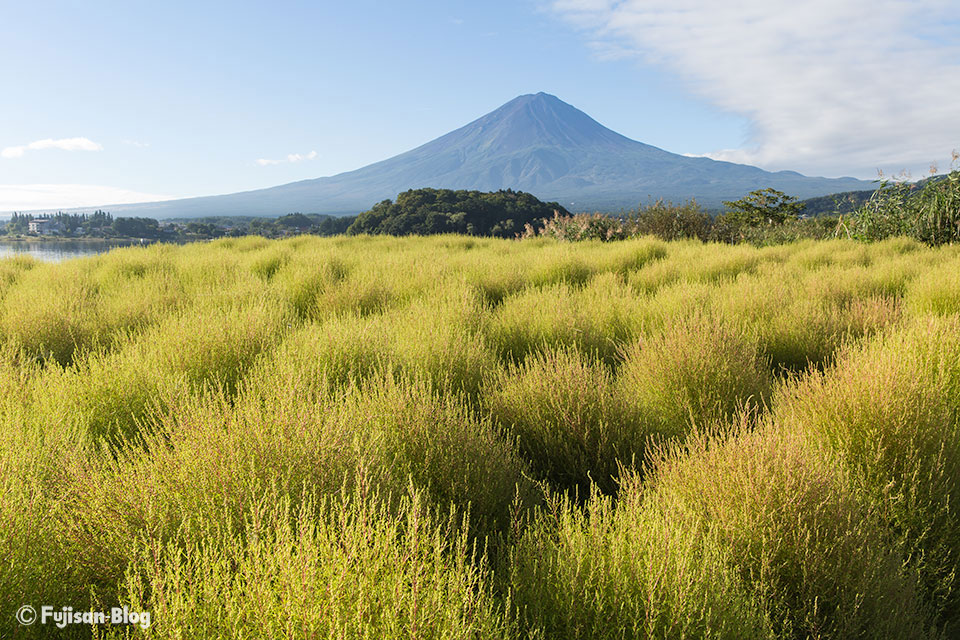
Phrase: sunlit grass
[570,423]
[348,567]
[696,370]
[890,414]
[468,437]
[747,536]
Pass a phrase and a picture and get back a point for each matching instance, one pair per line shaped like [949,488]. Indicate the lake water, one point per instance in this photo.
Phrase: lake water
[58,251]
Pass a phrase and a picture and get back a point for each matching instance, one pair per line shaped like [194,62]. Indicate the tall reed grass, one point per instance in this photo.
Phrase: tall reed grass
[343,567]
[889,412]
[467,437]
[698,371]
[748,536]
[570,424]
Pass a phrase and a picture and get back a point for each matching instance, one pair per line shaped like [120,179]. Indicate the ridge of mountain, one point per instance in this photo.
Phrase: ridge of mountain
[535,143]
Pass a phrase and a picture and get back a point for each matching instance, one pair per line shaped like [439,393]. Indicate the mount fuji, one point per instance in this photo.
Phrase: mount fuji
[535,143]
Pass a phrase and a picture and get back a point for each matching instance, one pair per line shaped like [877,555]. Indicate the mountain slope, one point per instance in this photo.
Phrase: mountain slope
[535,143]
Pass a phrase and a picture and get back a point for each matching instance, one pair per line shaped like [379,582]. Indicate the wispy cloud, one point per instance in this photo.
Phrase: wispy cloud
[290,159]
[296,157]
[26,197]
[136,143]
[65,144]
[829,86]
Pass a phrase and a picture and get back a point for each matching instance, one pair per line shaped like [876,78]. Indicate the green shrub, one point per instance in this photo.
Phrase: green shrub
[928,211]
[938,292]
[51,313]
[598,319]
[791,522]
[889,413]
[695,263]
[36,462]
[627,257]
[435,338]
[747,538]
[407,431]
[348,567]
[108,395]
[569,423]
[696,371]
[625,571]
[12,268]
[303,285]
[802,319]
[201,469]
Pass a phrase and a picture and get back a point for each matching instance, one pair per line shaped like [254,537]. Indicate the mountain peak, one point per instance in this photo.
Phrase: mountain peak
[540,96]
[536,142]
[535,101]
[536,120]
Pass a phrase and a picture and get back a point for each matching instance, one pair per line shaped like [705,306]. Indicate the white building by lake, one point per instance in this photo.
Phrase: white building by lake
[42,226]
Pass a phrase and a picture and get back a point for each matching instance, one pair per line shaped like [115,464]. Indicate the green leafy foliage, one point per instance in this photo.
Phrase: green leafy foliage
[662,219]
[763,206]
[136,227]
[688,220]
[928,211]
[424,211]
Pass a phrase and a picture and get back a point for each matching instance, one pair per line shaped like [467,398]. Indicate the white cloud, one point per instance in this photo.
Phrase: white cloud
[291,158]
[26,197]
[296,157]
[829,86]
[65,144]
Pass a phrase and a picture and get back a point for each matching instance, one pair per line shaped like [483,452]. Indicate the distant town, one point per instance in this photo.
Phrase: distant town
[102,225]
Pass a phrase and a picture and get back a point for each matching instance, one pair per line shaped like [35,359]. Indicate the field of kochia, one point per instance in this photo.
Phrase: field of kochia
[455,437]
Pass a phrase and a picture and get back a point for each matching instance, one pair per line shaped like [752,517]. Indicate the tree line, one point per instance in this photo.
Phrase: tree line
[928,211]
[502,214]
[101,224]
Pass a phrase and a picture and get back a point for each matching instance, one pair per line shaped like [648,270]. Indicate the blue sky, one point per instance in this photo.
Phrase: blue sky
[110,102]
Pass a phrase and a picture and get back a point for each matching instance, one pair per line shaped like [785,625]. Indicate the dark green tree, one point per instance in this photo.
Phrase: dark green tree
[18,223]
[296,221]
[136,227]
[97,223]
[763,206]
[427,211]
[332,226]
[68,223]
[204,229]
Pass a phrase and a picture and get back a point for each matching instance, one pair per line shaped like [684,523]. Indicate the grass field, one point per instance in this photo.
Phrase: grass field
[455,437]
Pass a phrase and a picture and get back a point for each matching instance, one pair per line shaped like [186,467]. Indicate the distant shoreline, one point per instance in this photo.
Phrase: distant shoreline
[85,240]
